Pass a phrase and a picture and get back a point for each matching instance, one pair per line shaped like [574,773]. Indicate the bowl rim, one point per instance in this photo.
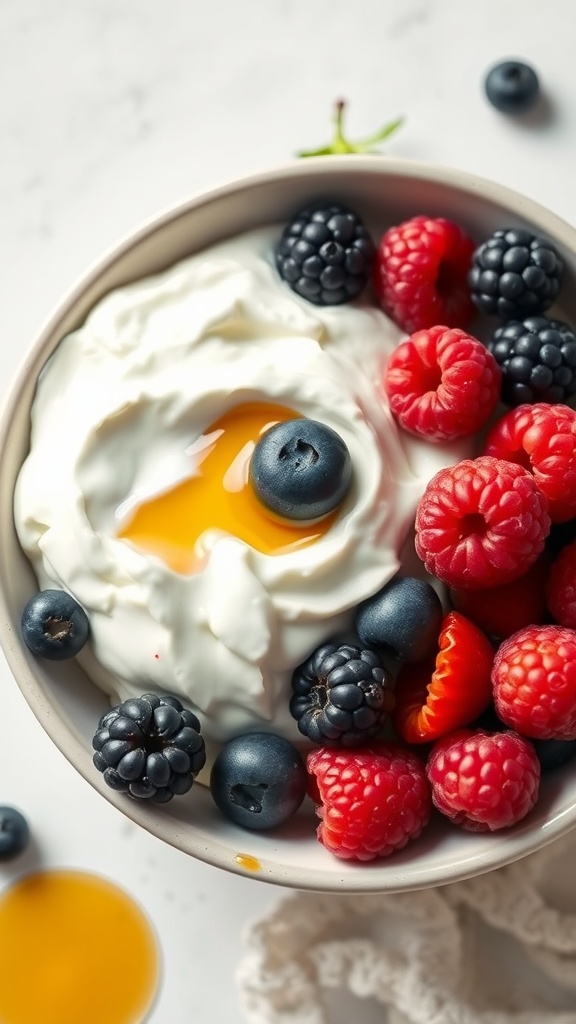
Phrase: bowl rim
[63,736]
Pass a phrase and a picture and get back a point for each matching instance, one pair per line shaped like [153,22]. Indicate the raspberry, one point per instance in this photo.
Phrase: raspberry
[538,360]
[421,274]
[325,254]
[515,274]
[481,523]
[534,681]
[503,610]
[542,438]
[341,695]
[484,781]
[561,587]
[372,801]
[442,384]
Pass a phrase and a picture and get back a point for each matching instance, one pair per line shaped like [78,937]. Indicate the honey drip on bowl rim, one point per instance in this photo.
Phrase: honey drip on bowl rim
[74,949]
[248,862]
[218,496]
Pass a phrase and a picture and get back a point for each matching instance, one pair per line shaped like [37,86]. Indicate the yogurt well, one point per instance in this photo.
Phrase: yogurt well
[120,410]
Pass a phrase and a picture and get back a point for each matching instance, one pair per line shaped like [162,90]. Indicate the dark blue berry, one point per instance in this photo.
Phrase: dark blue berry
[54,625]
[512,87]
[14,833]
[301,469]
[515,274]
[258,780]
[341,696]
[402,619]
[538,360]
[149,747]
[554,753]
[325,254]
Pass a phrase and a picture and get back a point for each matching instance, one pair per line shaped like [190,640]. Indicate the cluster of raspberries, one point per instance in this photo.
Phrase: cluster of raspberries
[495,692]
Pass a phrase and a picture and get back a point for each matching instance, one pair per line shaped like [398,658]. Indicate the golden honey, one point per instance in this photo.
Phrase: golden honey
[248,862]
[74,949]
[219,496]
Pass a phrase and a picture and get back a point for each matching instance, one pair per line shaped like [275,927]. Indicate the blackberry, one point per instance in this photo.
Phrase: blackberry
[149,747]
[538,360]
[325,254]
[514,274]
[341,695]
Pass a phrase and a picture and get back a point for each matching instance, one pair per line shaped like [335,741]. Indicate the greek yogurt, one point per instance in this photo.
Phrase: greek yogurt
[118,417]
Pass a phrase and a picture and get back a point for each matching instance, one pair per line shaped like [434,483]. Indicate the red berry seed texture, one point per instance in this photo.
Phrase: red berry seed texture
[484,781]
[372,801]
[542,438]
[421,274]
[442,384]
[503,610]
[561,587]
[481,523]
[534,680]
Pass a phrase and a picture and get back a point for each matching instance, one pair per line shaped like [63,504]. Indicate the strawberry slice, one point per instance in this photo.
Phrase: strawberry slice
[432,699]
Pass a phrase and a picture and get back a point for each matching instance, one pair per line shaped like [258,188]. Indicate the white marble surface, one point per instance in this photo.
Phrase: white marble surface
[113,109]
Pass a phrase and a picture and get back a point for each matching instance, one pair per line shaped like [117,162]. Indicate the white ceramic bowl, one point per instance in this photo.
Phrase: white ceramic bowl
[384,191]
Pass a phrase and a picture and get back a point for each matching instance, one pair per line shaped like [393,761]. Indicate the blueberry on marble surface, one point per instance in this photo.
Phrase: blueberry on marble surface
[512,87]
[14,833]
[301,469]
[54,625]
[258,780]
[402,619]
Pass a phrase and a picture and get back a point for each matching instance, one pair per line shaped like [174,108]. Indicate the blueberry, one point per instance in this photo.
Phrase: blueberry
[403,618]
[54,625]
[14,833]
[512,87]
[258,780]
[301,469]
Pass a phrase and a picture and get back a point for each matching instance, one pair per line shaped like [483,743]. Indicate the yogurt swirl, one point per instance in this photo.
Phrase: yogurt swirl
[117,408]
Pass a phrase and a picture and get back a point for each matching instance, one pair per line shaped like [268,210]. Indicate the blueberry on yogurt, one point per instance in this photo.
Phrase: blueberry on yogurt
[54,625]
[301,469]
[402,619]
